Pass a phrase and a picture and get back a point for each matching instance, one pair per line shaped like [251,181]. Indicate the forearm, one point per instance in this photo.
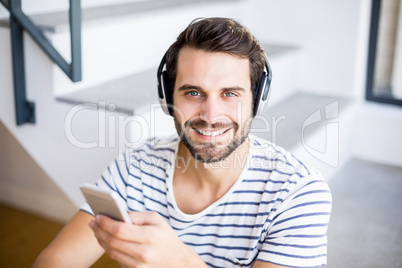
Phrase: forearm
[74,246]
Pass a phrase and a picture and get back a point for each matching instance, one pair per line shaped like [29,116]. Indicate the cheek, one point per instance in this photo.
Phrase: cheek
[184,111]
[240,111]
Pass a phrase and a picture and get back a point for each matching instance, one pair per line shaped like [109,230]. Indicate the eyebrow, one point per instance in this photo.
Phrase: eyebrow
[189,87]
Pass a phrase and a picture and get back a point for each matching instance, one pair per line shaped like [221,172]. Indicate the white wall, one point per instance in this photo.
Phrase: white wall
[23,180]
[377,133]
[330,35]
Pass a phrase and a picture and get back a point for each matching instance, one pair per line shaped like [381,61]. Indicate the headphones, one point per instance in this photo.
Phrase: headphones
[260,94]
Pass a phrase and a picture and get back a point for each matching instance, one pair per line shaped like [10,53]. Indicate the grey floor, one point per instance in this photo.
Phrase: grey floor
[366,222]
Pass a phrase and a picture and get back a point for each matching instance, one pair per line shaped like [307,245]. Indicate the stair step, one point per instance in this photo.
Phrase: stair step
[285,119]
[58,21]
[128,94]
[132,93]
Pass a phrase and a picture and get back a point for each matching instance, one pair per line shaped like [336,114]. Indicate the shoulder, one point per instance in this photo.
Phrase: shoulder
[273,158]
[285,172]
[154,150]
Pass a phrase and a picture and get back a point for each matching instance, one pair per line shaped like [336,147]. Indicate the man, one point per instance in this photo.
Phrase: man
[216,196]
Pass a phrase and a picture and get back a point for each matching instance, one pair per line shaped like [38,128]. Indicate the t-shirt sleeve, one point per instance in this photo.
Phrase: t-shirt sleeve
[297,235]
[113,178]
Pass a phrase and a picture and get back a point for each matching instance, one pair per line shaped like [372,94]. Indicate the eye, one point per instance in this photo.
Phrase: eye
[229,94]
[193,93]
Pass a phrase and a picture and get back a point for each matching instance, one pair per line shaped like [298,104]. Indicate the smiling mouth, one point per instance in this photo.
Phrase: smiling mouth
[211,133]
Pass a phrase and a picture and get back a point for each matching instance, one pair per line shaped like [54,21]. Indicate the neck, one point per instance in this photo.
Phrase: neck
[212,175]
[197,185]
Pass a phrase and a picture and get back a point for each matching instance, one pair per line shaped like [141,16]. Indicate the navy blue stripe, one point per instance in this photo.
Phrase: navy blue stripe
[277,171]
[238,214]
[296,245]
[111,188]
[215,225]
[149,174]
[312,192]
[155,189]
[253,203]
[293,255]
[110,172]
[118,170]
[259,192]
[107,183]
[152,155]
[135,199]
[125,162]
[135,176]
[256,142]
[147,197]
[299,227]
[301,163]
[306,236]
[218,246]
[135,188]
[269,181]
[86,211]
[303,216]
[156,201]
[160,213]
[221,236]
[154,176]
[312,203]
[146,162]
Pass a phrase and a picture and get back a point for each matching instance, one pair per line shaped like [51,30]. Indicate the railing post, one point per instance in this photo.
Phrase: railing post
[25,110]
[75,35]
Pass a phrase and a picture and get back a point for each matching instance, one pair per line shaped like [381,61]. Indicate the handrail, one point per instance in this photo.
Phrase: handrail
[25,110]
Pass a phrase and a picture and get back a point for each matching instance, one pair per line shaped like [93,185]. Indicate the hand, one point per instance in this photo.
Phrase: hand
[148,242]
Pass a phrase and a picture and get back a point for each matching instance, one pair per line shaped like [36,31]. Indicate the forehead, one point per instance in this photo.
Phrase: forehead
[212,69]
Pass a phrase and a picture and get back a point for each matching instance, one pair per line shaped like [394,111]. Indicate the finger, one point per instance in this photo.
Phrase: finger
[144,233]
[123,258]
[125,252]
[146,218]
[116,228]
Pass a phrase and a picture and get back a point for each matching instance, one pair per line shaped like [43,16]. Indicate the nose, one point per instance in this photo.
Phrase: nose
[211,110]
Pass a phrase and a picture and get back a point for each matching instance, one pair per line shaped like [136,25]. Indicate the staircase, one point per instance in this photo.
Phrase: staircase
[81,127]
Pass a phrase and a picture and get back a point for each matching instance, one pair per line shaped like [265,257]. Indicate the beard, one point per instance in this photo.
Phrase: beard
[212,151]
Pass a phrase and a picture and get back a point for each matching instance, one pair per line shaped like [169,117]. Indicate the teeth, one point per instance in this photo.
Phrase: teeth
[210,133]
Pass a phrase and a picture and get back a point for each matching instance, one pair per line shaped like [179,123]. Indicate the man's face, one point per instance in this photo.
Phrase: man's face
[213,103]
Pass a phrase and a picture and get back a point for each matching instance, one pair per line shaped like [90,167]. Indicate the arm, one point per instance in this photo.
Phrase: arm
[74,246]
[148,242]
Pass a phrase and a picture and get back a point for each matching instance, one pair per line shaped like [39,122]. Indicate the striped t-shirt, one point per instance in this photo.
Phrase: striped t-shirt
[277,211]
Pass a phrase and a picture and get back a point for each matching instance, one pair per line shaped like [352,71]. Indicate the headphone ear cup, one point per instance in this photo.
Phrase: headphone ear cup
[163,89]
[167,91]
[259,89]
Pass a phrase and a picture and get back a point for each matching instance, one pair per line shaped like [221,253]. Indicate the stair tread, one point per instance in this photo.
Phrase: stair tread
[58,21]
[120,91]
[286,118]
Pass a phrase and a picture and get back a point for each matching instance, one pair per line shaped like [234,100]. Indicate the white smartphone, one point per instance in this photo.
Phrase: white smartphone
[104,202]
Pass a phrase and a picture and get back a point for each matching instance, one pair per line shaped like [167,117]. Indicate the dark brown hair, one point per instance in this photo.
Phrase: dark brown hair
[218,35]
